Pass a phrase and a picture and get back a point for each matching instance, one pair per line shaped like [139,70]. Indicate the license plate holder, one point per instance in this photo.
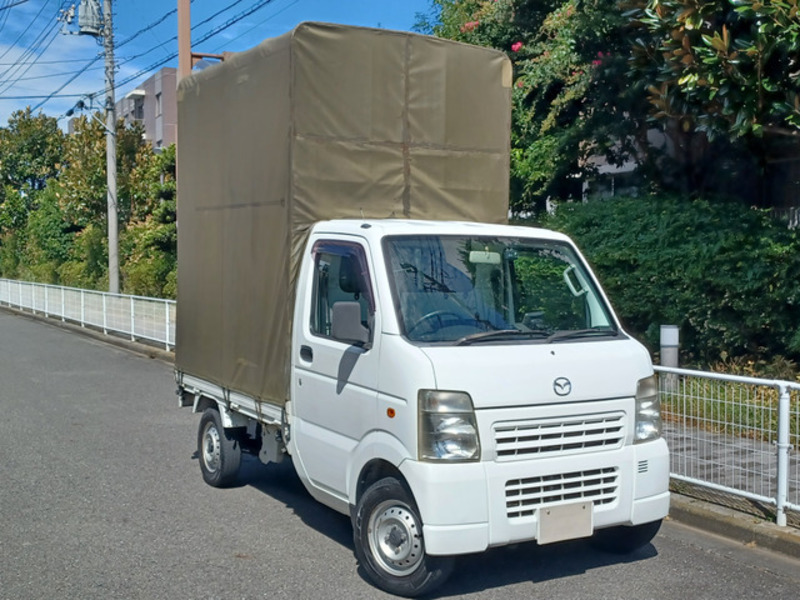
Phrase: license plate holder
[565,522]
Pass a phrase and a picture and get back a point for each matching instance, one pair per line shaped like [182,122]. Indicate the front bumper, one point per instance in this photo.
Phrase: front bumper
[470,507]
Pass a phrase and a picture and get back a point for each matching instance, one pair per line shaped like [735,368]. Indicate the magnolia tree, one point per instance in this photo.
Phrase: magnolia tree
[731,67]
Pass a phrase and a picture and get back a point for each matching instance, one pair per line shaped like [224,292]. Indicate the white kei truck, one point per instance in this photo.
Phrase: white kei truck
[352,298]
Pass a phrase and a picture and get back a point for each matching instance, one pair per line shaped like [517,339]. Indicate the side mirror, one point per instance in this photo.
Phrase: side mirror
[346,323]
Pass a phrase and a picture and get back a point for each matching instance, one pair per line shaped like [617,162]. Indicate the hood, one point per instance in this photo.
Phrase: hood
[525,374]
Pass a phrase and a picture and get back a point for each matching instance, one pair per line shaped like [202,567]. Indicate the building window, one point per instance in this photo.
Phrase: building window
[158,104]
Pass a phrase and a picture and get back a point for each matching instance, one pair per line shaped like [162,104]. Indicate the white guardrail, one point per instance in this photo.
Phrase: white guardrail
[137,317]
[734,434]
[725,432]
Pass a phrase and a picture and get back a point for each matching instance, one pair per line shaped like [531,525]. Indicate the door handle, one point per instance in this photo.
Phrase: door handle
[306,353]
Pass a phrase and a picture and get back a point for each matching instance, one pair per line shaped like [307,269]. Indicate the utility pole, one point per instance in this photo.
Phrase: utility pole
[111,152]
[184,39]
[95,24]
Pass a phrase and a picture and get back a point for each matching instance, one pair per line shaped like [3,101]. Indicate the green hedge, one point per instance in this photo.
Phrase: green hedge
[727,275]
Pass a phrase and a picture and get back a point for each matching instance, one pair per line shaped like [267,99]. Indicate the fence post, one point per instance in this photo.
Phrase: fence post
[166,324]
[133,320]
[784,447]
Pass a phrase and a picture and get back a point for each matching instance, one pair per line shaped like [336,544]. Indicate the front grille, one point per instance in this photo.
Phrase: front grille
[559,435]
[525,496]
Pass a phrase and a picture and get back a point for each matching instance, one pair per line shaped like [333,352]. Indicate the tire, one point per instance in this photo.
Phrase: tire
[625,540]
[387,532]
[219,451]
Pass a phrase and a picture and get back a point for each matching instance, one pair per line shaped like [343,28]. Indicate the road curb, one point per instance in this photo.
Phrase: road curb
[735,525]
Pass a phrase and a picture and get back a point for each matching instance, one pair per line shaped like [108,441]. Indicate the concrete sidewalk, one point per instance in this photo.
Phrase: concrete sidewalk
[735,525]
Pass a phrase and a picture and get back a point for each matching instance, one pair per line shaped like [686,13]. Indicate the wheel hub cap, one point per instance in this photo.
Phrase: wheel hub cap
[211,448]
[395,539]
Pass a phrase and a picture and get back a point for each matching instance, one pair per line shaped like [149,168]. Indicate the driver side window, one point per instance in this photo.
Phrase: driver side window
[340,275]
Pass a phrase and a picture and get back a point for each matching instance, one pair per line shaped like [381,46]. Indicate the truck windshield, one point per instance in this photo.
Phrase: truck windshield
[479,290]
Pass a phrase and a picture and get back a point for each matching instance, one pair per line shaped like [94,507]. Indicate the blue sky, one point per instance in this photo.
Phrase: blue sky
[37,60]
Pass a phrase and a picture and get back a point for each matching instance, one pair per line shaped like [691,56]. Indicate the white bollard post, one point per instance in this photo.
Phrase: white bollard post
[670,344]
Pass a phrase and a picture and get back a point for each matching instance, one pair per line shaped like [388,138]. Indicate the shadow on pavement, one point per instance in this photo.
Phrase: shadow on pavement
[495,568]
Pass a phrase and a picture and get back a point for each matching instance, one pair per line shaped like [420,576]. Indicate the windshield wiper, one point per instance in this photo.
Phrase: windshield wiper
[497,334]
[581,333]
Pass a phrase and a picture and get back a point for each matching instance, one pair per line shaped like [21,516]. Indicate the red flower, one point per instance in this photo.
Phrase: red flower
[516,46]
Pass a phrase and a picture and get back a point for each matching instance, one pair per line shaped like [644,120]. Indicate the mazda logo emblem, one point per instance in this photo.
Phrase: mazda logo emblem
[562,386]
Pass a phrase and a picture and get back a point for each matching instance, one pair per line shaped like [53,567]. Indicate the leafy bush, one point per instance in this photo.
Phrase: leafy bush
[727,275]
[148,252]
[86,266]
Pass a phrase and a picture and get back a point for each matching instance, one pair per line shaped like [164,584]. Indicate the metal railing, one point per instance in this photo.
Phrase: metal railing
[726,433]
[790,214]
[137,317]
[734,434]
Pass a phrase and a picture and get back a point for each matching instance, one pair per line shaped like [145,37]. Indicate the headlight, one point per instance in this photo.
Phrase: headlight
[447,427]
[648,411]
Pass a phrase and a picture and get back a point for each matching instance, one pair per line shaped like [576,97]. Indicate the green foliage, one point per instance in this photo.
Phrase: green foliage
[725,274]
[30,151]
[731,67]
[86,265]
[47,240]
[572,97]
[148,250]
[148,247]
[53,206]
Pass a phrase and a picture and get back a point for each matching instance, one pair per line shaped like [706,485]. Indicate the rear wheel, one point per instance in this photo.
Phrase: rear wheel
[624,540]
[389,544]
[219,450]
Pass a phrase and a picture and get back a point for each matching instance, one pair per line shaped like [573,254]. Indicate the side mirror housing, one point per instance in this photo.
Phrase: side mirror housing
[346,324]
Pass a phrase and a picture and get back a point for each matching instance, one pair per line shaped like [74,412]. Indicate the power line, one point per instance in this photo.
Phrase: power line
[205,37]
[175,37]
[41,39]
[230,22]
[50,96]
[20,36]
[46,76]
[259,24]
[17,70]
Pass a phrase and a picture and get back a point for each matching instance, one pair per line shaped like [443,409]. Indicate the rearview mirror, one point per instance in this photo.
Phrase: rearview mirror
[479,257]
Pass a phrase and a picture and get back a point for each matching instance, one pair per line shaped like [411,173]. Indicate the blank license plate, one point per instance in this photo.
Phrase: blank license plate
[565,522]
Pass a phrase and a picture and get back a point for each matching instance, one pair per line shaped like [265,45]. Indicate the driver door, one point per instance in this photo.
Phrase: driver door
[334,382]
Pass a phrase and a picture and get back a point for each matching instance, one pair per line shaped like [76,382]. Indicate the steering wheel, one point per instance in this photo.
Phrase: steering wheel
[436,314]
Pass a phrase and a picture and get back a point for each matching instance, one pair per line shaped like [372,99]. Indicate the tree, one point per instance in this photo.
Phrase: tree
[31,151]
[149,244]
[83,182]
[573,98]
[724,67]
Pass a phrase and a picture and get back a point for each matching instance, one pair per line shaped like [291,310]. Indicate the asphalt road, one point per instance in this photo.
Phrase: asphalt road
[101,497]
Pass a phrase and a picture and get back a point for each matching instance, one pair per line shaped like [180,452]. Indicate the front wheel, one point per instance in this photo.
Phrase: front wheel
[387,532]
[623,539]
[219,450]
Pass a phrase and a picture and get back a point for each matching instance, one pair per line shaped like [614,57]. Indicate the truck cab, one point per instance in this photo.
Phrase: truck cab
[460,386]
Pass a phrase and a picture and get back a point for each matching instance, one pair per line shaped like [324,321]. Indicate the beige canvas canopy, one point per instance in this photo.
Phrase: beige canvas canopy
[326,121]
